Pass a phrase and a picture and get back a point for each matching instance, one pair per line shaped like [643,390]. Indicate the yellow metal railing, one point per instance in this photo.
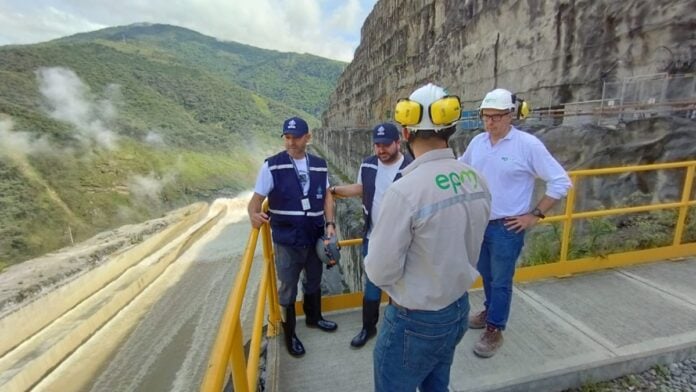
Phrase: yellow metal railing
[228,350]
[564,266]
[228,356]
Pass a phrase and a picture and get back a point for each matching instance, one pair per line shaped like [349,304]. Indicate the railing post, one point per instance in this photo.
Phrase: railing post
[601,104]
[238,360]
[219,359]
[686,195]
[665,86]
[252,365]
[621,100]
[272,295]
[568,221]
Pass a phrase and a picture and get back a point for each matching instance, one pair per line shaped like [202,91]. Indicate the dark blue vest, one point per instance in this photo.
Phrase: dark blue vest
[368,175]
[291,225]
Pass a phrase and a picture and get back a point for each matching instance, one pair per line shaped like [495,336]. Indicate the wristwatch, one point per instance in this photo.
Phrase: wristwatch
[330,223]
[537,212]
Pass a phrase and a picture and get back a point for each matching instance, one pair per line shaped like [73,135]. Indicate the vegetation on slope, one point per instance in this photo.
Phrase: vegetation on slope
[123,124]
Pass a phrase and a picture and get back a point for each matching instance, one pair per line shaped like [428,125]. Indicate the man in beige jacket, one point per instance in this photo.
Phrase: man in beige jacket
[424,247]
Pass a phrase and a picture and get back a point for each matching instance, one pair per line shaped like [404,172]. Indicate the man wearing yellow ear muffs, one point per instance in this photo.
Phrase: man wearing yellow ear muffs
[423,249]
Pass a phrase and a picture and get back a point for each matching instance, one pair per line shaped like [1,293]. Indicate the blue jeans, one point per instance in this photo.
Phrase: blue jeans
[415,348]
[499,252]
[370,291]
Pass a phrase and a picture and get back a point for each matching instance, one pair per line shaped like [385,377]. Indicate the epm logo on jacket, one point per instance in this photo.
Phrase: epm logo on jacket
[455,180]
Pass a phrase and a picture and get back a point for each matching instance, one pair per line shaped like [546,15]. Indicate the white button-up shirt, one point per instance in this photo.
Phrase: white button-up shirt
[510,168]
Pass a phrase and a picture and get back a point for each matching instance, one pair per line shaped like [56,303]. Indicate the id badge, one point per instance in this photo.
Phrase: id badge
[305,204]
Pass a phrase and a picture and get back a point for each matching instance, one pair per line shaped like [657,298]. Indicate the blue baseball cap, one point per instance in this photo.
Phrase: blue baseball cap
[385,133]
[295,126]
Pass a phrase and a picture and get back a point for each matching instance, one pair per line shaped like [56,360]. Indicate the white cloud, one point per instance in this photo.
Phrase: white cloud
[348,16]
[149,187]
[154,138]
[22,143]
[70,100]
[19,26]
[67,99]
[325,28]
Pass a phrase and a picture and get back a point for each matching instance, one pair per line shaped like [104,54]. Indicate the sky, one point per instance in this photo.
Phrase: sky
[326,28]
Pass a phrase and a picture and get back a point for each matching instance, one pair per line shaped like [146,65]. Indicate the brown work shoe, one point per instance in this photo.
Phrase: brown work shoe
[478,321]
[490,342]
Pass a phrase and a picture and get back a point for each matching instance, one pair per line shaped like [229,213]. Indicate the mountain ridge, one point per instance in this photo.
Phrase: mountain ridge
[245,60]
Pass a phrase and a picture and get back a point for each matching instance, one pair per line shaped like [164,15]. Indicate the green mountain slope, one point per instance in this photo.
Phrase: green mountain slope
[300,81]
[119,125]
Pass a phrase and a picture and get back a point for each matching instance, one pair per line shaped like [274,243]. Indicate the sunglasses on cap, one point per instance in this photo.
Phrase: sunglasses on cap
[444,111]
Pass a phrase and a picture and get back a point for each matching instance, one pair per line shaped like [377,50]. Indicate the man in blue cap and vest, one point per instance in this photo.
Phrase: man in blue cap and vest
[376,173]
[301,210]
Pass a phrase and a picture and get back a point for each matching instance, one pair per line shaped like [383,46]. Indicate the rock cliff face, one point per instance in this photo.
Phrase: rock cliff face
[548,51]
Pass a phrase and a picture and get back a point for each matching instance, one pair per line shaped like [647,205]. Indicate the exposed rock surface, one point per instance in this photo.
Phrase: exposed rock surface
[549,51]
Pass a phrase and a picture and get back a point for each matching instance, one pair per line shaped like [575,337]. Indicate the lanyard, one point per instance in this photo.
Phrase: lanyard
[297,172]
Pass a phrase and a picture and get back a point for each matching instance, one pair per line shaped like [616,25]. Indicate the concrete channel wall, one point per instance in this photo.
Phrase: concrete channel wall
[26,361]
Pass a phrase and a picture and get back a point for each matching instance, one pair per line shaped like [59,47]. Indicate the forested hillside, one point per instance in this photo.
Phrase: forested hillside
[119,125]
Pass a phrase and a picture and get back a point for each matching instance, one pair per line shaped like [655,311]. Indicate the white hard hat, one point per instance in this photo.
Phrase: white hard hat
[425,96]
[499,98]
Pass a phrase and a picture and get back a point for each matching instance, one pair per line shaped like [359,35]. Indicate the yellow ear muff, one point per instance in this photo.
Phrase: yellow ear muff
[408,112]
[524,110]
[446,110]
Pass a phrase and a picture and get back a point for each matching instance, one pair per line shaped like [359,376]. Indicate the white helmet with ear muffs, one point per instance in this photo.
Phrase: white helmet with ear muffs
[428,107]
[500,99]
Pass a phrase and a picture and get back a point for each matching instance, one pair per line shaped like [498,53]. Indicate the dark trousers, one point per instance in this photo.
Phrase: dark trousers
[371,292]
[290,261]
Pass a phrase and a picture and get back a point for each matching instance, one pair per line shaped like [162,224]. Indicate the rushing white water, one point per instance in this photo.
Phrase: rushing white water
[162,339]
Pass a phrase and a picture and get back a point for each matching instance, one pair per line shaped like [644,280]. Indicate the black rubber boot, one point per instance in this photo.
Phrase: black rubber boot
[370,315]
[312,309]
[295,347]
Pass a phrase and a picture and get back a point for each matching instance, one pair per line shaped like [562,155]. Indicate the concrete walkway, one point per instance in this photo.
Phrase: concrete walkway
[562,333]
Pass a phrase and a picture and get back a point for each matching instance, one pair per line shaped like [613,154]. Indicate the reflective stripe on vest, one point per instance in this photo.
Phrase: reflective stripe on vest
[291,224]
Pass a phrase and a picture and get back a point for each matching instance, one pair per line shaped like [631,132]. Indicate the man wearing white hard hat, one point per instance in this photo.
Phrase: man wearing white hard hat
[423,249]
[510,160]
